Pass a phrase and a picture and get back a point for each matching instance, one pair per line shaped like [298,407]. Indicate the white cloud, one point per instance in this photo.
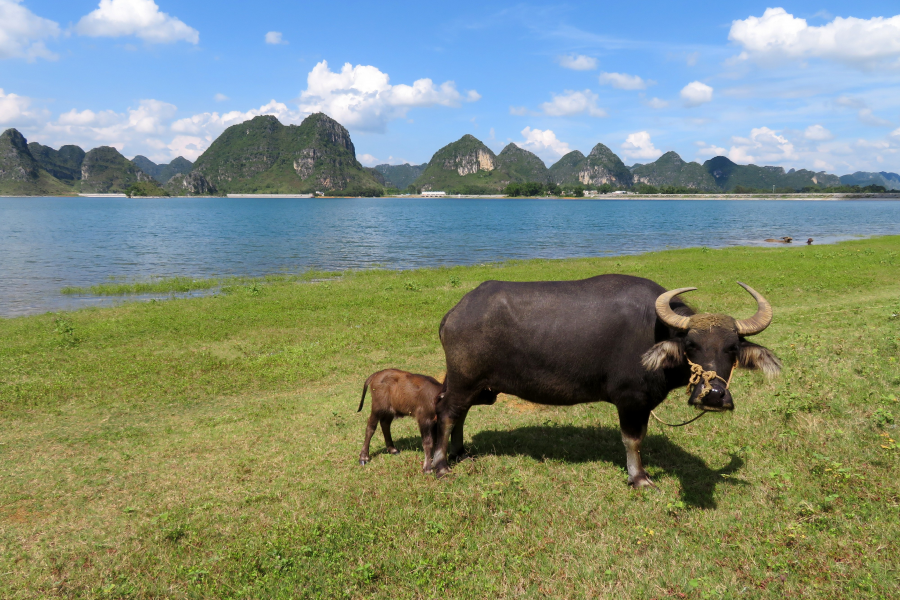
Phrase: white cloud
[657,103]
[543,143]
[274,37]
[577,62]
[817,133]
[368,160]
[692,59]
[519,111]
[141,130]
[141,18]
[363,98]
[778,35]
[821,165]
[220,97]
[764,146]
[573,103]
[623,81]
[896,132]
[864,113]
[16,111]
[210,125]
[696,93]
[639,145]
[22,33]
[709,150]
[867,117]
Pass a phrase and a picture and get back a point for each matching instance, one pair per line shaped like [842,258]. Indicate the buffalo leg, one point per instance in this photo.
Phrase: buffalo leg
[457,450]
[442,437]
[634,427]
[427,430]
[371,426]
[386,430]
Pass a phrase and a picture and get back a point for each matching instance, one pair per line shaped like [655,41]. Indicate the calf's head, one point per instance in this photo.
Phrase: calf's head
[712,346]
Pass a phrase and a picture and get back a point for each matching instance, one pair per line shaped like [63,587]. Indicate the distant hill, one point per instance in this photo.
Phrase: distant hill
[20,173]
[890,181]
[104,171]
[729,175]
[601,166]
[400,176]
[163,173]
[522,166]
[670,170]
[263,156]
[64,164]
[466,165]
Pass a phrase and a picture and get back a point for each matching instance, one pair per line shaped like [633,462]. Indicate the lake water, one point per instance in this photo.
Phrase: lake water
[50,243]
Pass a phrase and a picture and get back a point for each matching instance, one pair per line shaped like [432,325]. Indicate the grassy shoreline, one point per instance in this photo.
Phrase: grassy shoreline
[205,448]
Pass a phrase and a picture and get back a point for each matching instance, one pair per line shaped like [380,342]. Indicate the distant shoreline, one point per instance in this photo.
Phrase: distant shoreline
[603,197]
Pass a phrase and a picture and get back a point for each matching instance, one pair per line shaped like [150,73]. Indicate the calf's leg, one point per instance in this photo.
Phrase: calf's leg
[386,430]
[370,430]
[634,426]
[426,427]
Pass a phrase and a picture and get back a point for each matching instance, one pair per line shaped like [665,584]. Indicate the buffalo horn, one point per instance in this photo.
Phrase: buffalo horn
[757,322]
[669,316]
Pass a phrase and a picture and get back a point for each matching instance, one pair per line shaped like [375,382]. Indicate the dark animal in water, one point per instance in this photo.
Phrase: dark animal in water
[784,240]
[396,394]
[613,338]
[809,242]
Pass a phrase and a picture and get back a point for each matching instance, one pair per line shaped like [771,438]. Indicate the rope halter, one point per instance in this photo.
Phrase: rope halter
[699,374]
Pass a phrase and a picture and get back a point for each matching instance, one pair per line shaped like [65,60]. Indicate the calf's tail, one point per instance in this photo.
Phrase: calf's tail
[363,399]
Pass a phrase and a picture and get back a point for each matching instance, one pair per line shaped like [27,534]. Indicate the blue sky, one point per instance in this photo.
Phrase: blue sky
[804,85]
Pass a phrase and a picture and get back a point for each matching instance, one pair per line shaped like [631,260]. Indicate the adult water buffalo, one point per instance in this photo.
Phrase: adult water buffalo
[615,338]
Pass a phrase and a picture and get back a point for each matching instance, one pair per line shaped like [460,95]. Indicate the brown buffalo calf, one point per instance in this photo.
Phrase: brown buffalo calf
[395,394]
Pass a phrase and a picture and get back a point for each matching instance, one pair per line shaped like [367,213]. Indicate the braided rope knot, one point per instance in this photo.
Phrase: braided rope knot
[698,373]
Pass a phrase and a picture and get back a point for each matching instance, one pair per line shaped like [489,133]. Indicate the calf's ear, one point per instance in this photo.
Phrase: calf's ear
[663,356]
[753,356]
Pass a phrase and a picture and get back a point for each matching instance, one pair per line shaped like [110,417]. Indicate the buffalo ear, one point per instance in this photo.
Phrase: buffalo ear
[663,355]
[753,356]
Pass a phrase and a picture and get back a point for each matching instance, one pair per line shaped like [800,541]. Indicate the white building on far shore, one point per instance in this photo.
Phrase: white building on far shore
[433,194]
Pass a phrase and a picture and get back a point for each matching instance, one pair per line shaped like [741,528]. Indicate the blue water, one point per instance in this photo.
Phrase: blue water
[49,243]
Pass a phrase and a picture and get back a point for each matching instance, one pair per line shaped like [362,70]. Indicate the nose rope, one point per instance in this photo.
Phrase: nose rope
[698,373]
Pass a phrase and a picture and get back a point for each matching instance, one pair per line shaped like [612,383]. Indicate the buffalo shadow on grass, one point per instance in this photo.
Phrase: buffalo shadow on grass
[576,444]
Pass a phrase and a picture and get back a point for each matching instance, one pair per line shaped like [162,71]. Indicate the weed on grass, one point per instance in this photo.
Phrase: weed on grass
[207,448]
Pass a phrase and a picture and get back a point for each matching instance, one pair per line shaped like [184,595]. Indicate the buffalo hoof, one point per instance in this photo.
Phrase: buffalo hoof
[441,471]
[427,469]
[464,454]
[393,451]
[363,461]
[642,481]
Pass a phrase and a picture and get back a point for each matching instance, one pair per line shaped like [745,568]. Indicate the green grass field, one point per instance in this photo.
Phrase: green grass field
[207,448]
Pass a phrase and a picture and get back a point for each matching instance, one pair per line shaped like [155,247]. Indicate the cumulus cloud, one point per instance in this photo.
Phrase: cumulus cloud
[363,98]
[16,110]
[817,133]
[144,129]
[571,103]
[543,143]
[623,81]
[140,18]
[22,33]
[639,145]
[709,150]
[778,34]
[577,62]
[368,160]
[657,103]
[696,93]
[762,147]
[274,37]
